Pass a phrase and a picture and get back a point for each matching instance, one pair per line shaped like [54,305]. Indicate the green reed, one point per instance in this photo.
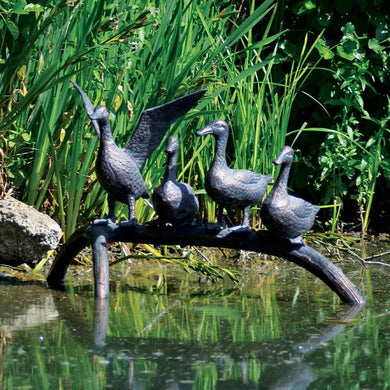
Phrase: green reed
[257,108]
[128,56]
[131,57]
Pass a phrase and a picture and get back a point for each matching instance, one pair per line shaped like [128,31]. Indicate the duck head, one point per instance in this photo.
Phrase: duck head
[217,128]
[286,156]
[172,145]
[99,113]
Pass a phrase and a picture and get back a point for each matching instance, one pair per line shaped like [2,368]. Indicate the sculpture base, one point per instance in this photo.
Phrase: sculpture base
[257,241]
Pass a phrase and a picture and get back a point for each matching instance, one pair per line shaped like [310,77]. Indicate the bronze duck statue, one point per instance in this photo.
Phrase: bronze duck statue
[231,188]
[174,202]
[118,169]
[283,214]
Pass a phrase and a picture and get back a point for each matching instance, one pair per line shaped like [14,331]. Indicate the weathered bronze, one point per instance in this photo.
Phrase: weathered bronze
[257,241]
[285,216]
[282,214]
[174,202]
[118,169]
[231,188]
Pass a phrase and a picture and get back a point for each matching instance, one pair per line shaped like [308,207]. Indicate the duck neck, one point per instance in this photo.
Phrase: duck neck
[105,132]
[280,187]
[220,152]
[170,172]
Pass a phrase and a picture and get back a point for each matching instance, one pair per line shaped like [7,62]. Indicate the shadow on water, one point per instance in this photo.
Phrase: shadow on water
[281,329]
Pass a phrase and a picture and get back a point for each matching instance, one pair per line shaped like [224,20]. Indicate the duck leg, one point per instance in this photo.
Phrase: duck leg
[111,208]
[132,221]
[243,228]
[245,219]
[111,213]
[221,218]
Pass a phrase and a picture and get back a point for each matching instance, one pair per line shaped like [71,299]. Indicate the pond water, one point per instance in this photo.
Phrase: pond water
[281,328]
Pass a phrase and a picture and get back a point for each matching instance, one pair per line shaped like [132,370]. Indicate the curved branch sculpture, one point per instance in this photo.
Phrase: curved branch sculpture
[118,172]
[257,241]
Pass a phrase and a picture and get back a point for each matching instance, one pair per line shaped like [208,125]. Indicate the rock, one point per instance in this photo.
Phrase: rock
[25,233]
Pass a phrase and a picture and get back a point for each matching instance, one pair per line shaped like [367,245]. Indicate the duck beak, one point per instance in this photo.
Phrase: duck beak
[206,130]
[93,116]
[277,161]
[281,158]
[169,149]
[172,145]
[89,108]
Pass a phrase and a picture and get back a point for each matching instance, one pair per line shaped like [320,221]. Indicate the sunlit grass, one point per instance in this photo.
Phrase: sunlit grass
[132,57]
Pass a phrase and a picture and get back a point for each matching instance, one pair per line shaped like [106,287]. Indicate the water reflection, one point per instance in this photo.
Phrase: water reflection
[213,337]
[26,307]
[293,373]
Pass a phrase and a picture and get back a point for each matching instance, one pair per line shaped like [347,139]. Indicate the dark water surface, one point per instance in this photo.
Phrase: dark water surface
[161,329]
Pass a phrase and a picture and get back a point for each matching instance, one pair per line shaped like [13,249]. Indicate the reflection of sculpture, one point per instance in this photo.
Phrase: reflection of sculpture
[118,169]
[288,363]
[231,188]
[174,202]
[284,214]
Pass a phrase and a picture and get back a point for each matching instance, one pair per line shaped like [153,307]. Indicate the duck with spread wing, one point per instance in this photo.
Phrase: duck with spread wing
[118,169]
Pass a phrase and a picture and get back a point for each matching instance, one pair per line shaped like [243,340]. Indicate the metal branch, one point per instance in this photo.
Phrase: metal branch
[256,241]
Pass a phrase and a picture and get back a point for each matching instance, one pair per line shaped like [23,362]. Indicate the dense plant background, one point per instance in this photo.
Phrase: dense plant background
[313,74]
[350,165]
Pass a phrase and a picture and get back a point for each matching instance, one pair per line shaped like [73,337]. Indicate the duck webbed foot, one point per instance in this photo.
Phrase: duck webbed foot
[221,223]
[131,222]
[245,227]
[103,221]
[296,240]
[234,230]
[111,218]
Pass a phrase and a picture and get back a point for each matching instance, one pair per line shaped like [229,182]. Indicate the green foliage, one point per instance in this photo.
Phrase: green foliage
[350,84]
[188,262]
[350,160]
[131,57]
[254,62]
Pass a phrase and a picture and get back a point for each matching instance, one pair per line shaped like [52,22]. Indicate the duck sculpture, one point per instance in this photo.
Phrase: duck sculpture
[174,202]
[231,188]
[283,214]
[118,169]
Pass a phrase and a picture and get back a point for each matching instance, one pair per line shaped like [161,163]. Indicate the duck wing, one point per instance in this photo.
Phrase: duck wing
[155,122]
[302,208]
[249,184]
[89,108]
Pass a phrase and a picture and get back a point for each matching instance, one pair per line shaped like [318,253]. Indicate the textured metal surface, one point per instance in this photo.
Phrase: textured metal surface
[259,241]
[155,122]
[284,214]
[174,202]
[118,169]
[231,188]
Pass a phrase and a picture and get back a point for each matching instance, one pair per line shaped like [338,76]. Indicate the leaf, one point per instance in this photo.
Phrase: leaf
[304,7]
[34,8]
[19,7]
[344,54]
[324,50]
[12,28]
[22,73]
[117,103]
[375,45]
